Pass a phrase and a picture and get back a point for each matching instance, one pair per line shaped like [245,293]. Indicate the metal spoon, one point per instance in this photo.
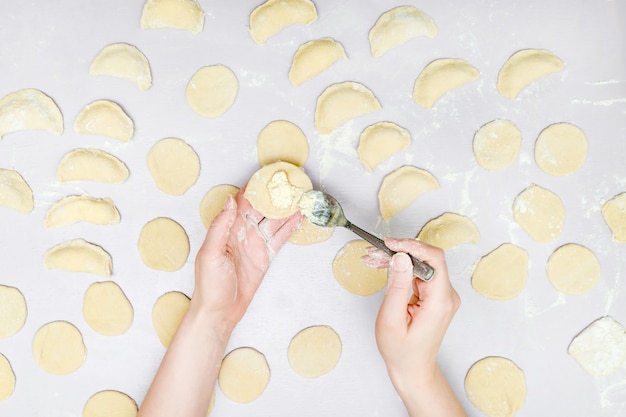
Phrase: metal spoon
[323,210]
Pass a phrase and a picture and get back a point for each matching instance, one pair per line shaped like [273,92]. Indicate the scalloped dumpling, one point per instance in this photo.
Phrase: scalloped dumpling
[523,68]
[15,192]
[274,15]
[176,14]
[78,255]
[29,109]
[313,57]
[105,118]
[449,230]
[399,25]
[125,61]
[342,102]
[440,77]
[401,187]
[380,141]
[91,165]
[74,208]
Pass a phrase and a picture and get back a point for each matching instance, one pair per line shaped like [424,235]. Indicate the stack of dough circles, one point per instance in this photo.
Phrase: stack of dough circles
[174,166]
[313,57]
[314,351]
[58,348]
[13,311]
[92,165]
[110,403]
[401,187]
[282,140]
[175,14]
[342,102]
[540,213]
[29,109]
[614,213]
[167,313]
[15,192]
[74,208]
[163,244]
[244,374]
[213,202]
[78,255]
[124,61]
[380,141]
[496,386]
[106,309]
[275,189]
[106,118]
[309,234]
[7,378]
[523,68]
[497,144]
[502,273]
[600,349]
[440,77]
[351,272]
[212,90]
[449,230]
[573,269]
[274,15]
[561,149]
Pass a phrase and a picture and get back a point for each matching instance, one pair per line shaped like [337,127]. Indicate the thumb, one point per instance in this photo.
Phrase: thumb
[394,306]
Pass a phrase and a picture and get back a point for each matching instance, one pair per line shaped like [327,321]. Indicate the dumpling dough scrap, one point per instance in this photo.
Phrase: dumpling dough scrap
[573,269]
[7,378]
[614,213]
[105,118]
[309,234]
[540,213]
[449,230]
[313,57]
[524,67]
[440,77]
[502,273]
[110,403]
[15,192]
[163,245]
[213,202]
[125,61]
[75,208]
[174,166]
[496,386]
[13,311]
[342,102]
[78,255]
[29,109]
[58,348]
[399,25]
[401,187]
[212,90]
[176,14]
[600,349]
[314,351]
[380,141]
[497,144]
[167,313]
[561,149]
[274,15]
[282,140]
[92,165]
[351,272]
[244,374]
[106,309]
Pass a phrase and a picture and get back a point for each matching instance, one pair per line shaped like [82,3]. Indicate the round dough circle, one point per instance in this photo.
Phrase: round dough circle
[573,269]
[540,213]
[244,374]
[561,149]
[212,90]
[309,234]
[7,378]
[13,311]
[167,313]
[213,202]
[502,273]
[314,351]
[58,348]
[614,214]
[496,386]
[163,244]
[282,140]
[110,403]
[106,309]
[497,144]
[352,273]
[174,165]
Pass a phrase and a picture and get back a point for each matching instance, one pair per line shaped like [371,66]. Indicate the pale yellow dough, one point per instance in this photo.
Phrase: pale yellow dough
[309,234]
[600,349]
[92,165]
[167,313]
[314,351]
[110,403]
[282,140]
[213,202]
[573,269]
[13,311]
[7,378]
[15,192]
[449,230]
[212,90]
[401,187]
[440,77]
[106,309]
[124,61]
[274,15]
[58,348]
[614,214]
[561,149]
[497,144]
[379,142]
[502,273]
[351,272]
[174,166]
[540,213]
[29,109]
[524,67]
[244,374]
[78,255]
[105,118]
[341,102]
[163,245]
[313,57]
[74,208]
[175,14]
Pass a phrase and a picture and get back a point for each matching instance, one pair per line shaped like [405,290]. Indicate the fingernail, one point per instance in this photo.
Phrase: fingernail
[400,262]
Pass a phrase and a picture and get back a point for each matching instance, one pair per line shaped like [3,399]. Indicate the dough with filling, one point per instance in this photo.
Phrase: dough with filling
[163,244]
[213,202]
[401,187]
[561,149]
[309,234]
[379,142]
[105,118]
[77,208]
[600,349]
[573,269]
[13,311]
[7,378]
[540,213]
[106,308]
[614,214]
[314,351]
[78,255]
[167,313]
[111,404]
[58,348]
[341,102]
[124,61]
[212,90]
[502,273]
[15,192]
[174,166]
[92,165]
[525,67]
[274,15]
[29,109]
[175,14]
[282,140]
[440,77]
[449,230]
[497,144]
[351,272]
[244,374]
[313,57]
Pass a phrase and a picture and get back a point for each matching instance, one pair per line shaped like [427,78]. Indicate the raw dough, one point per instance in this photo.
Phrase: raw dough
[213,202]
[163,245]
[123,61]
[13,311]
[29,109]
[74,208]
[58,348]
[497,144]
[600,349]
[351,272]
[7,378]
[110,404]
[308,233]
[212,90]
[15,192]
[167,313]
[174,166]
[78,255]
[91,165]
[502,273]
[106,309]
[401,187]
[440,77]
[284,141]
[573,269]
[176,14]
[449,230]
[540,213]
[524,67]
[496,386]
[313,57]
[614,213]
[244,374]
[274,15]
[399,25]
[561,149]
[342,102]
[275,189]
[314,351]
[105,118]
[380,141]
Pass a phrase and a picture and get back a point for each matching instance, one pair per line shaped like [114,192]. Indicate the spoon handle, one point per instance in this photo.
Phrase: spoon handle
[420,269]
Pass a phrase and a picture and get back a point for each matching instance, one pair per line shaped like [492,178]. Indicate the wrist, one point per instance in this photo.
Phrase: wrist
[411,380]
[216,326]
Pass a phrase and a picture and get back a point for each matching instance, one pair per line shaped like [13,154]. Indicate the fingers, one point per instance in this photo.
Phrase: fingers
[393,311]
[376,258]
[219,231]
[284,230]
